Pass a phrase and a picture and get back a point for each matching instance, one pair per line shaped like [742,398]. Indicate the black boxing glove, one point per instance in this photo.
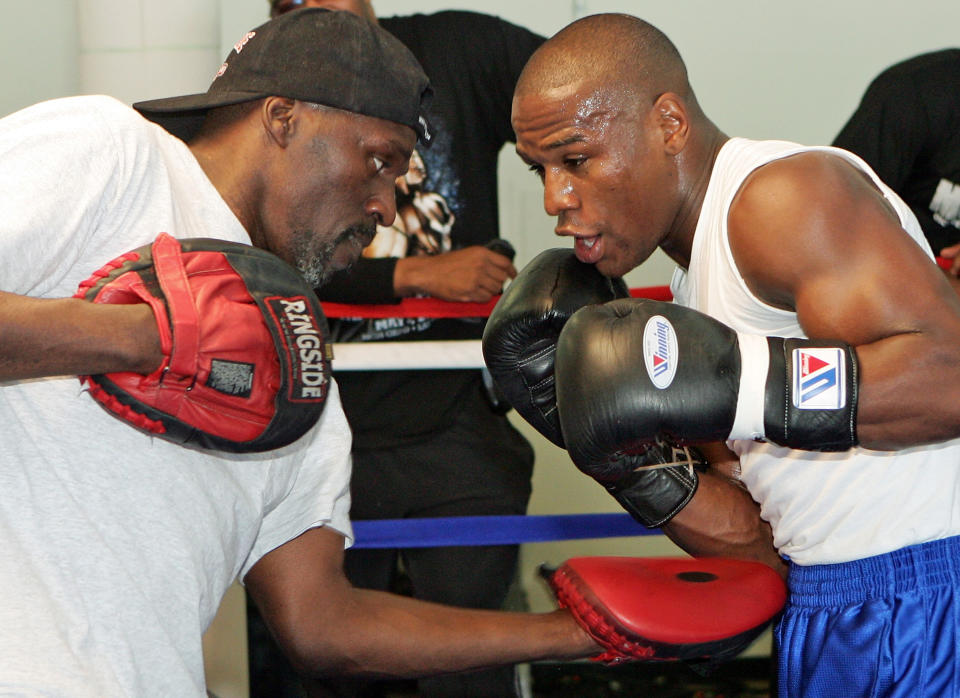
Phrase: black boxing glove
[520,336]
[634,371]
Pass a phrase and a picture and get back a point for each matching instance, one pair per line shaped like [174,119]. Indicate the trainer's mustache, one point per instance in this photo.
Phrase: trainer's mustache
[362,233]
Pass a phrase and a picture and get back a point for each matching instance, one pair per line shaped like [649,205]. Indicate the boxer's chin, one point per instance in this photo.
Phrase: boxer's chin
[349,247]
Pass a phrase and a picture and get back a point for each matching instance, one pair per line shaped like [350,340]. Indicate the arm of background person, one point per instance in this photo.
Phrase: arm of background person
[812,234]
[328,627]
[474,274]
[68,336]
[367,281]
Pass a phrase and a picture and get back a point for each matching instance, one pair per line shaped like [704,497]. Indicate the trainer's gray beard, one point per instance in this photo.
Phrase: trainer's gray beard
[313,259]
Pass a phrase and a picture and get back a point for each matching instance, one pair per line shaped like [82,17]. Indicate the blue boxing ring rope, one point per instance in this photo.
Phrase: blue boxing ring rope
[493,530]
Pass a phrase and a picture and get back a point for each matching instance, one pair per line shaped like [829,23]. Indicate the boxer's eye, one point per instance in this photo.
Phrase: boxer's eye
[537,170]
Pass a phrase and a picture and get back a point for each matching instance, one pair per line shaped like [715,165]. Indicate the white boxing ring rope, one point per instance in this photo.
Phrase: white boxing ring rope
[393,356]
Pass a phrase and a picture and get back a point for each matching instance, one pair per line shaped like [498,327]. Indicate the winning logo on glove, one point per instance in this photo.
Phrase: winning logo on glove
[246,366]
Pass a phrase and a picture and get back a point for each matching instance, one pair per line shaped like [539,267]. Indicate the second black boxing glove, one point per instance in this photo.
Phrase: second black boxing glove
[521,335]
[634,371]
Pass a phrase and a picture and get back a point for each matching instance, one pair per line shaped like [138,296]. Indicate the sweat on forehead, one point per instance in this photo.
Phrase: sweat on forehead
[614,49]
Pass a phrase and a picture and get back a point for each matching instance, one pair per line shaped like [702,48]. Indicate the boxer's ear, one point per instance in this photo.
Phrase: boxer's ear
[673,121]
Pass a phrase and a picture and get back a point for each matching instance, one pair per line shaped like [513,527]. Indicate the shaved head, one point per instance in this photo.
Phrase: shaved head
[624,53]
[604,115]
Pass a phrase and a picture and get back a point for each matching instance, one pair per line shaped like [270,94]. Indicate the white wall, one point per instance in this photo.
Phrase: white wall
[760,69]
[38,52]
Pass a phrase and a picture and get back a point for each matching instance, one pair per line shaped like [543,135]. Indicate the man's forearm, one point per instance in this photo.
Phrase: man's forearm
[327,627]
[396,636]
[67,336]
[722,520]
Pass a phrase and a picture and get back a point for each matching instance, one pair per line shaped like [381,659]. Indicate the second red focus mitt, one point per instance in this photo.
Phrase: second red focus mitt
[246,366]
[668,609]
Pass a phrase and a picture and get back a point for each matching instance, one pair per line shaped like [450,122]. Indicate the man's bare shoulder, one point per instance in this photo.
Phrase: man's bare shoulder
[808,180]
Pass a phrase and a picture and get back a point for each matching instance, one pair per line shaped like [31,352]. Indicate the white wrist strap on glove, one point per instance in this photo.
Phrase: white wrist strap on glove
[754,365]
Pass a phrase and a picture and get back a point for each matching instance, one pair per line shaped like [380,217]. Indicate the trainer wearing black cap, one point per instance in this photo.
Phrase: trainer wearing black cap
[279,76]
[118,547]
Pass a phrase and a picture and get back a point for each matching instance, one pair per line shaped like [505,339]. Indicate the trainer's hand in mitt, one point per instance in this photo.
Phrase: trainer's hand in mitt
[245,365]
[668,609]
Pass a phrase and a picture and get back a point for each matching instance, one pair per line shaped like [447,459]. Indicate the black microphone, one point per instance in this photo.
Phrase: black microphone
[502,247]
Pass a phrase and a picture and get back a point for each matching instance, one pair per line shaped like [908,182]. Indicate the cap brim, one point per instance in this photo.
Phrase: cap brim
[183,116]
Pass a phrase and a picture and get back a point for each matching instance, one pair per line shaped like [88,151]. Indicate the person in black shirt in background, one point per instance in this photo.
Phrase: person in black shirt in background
[435,443]
[907,128]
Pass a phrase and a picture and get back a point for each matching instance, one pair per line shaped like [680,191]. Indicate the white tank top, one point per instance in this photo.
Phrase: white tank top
[823,507]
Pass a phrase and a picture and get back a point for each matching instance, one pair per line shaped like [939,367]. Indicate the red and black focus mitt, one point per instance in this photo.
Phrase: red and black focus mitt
[246,366]
[668,609]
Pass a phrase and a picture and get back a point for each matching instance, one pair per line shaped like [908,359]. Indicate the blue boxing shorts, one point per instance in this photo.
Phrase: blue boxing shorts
[882,626]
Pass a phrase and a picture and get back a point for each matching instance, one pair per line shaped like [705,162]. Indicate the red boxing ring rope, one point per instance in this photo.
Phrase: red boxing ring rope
[433,308]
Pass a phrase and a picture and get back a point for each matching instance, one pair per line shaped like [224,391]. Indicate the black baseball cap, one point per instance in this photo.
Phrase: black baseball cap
[315,55]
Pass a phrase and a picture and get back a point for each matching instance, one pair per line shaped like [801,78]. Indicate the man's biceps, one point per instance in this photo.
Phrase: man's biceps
[310,557]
